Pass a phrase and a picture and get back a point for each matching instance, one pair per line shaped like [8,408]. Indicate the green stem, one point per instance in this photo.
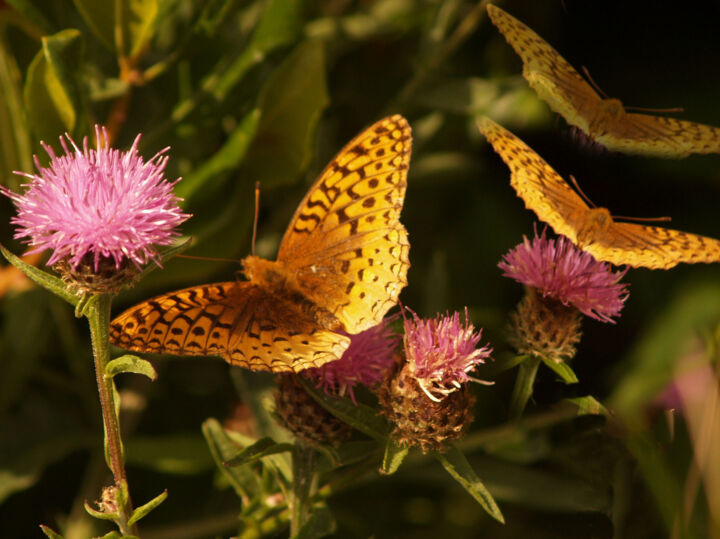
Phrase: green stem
[99,319]
[304,458]
[523,386]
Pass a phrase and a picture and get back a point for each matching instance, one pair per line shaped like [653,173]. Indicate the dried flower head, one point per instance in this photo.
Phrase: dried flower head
[94,206]
[366,361]
[557,269]
[442,351]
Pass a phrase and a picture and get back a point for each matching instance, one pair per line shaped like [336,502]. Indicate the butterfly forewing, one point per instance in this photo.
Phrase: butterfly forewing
[239,322]
[345,242]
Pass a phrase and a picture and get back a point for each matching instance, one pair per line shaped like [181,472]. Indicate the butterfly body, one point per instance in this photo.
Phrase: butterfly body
[593,230]
[341,266]
[604,120]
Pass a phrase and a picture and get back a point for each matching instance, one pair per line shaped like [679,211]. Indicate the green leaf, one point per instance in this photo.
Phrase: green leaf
[562,369]
[291,104]
[589,405]
[459,468]
[50,533]
[211,173]
[100,17]
[100,514]
[524,384]
[279,25]
[32,14]
[178,454]
[63,53]
[117,535]
[130,363]
[46,280]
[139,18]
[260,449]
[222,448]
[143,510]
[393,458]
[320,524]
[360,416]
[44,118]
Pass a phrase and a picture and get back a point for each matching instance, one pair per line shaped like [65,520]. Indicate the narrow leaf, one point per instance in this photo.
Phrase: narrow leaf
[393,458]
[143,510]
[100,514]
[139,22]
[562,369]
[589,405]
[260,449]
[524,384]
[360,416]
[46,280]
[50,533]
[63,52]
[130,363]
[100,17]
[459,468]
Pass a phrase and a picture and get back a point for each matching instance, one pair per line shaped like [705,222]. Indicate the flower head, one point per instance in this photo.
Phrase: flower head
[366,361]
[441,351]
[95,205]
[556,268]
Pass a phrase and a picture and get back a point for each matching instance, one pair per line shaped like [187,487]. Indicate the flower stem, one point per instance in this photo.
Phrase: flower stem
[99,319]
[523,386]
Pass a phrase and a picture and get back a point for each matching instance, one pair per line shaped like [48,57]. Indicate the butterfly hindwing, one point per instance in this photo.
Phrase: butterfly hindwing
[345,242]
[237,321]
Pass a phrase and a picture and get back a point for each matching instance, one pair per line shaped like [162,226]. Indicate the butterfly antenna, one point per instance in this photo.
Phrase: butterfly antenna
[209,258]
[664,219]
[255,219]
[644,109]
[582,194]
[594,84]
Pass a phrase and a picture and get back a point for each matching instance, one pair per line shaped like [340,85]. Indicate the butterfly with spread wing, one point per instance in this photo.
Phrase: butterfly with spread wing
[592,229]
[604,120]
[341,266]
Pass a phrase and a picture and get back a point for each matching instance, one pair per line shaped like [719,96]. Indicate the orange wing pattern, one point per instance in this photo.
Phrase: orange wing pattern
[341,266]
[593,230]
[238,321]
[603,120]
[345,242]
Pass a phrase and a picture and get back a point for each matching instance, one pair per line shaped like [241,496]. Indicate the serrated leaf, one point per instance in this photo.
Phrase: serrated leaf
[262,448]
[291,104]
[131,364]
[562,369]
[210,175]
[46,280]
[50,533]
[222,448]
[360,416]
[144,509]
[459,468]
[393,457]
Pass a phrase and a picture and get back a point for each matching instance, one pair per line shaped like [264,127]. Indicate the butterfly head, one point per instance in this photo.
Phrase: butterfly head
[611,110]
[266,273]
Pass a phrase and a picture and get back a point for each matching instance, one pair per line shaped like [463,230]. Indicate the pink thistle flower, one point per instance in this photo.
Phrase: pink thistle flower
[100,202]
[573,277]
[441,351]
[366,361]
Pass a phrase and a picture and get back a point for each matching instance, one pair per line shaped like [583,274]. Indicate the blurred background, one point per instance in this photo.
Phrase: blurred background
[246,91]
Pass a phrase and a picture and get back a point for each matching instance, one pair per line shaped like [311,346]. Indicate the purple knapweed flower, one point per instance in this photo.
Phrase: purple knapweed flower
[558,269]
[366,361]
[442,351]
[97,204]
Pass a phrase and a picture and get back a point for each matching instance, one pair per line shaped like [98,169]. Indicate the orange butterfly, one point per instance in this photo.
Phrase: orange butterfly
[604,120]
[341,266]
[593,230]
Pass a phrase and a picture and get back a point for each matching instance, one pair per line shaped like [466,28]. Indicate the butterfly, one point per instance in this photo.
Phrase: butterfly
[592,229]
[604,120]
[340,267]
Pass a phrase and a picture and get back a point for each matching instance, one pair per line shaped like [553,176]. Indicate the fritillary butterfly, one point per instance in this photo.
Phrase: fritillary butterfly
[341,266]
